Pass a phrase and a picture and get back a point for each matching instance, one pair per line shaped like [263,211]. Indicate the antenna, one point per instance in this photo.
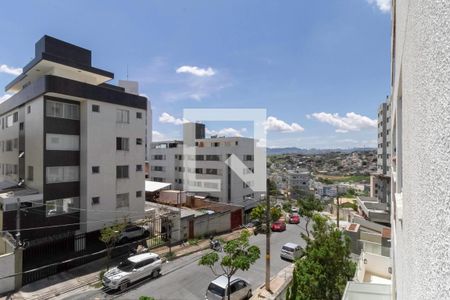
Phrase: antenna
[127,71]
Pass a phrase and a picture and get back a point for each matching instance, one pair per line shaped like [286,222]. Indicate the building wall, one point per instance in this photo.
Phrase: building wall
[421,136]
[99,131]
[7,265]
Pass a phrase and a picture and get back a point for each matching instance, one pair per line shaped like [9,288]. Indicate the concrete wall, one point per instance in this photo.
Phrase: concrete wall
[421,101]
[7,267]
[211,224]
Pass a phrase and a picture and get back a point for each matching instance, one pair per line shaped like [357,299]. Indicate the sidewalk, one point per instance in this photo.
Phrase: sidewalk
[278,286]
[88,274]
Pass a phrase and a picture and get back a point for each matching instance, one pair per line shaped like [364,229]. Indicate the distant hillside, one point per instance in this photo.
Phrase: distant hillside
[295,150]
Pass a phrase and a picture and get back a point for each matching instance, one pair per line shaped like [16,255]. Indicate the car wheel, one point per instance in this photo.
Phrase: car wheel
[123,286]
[155,273]
[249,294]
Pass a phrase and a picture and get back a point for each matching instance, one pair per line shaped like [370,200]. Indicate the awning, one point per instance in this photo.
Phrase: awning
[153,186]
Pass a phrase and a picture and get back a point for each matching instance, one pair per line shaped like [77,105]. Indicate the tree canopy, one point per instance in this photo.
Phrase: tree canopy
[326,267]
[308,207]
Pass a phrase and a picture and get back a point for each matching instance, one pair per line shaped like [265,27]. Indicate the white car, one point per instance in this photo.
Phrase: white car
[239,289]
[291,251]
[132,269]
[131,232]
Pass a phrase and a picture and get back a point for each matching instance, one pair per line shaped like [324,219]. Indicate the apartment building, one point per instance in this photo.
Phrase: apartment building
[169,164]
[72,146]
[420,149]
[380,182]
[298,181]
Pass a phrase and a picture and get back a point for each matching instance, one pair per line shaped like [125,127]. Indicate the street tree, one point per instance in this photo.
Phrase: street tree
[326,267]
[308,207]
[239,255]
[110,236]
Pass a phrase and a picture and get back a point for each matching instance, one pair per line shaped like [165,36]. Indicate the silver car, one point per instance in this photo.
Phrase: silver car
[291,251]
[239,289]
[131,270]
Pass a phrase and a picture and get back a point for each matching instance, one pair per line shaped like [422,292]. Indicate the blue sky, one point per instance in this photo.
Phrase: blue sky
[320,68]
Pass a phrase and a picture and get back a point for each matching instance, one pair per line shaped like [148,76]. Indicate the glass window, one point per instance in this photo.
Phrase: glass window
[122,172]
[62,206]
[138,168]
[123,116]
[95,169]
[95,108]
[9,144]
[95,200]
[30,173]
[65,142]
[138,141]
[122,144]
[62,110]
[122,200]
[138,194]
[62,174]
[9,121]
[16,117]
[29,109]
[138,115]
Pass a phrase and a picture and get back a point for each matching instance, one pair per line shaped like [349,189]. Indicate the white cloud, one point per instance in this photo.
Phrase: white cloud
[274,124]
[351,121]
[158,136]
[229,132]
[196,71]
[4,97]
[383,5]
[10,70]
[168,118]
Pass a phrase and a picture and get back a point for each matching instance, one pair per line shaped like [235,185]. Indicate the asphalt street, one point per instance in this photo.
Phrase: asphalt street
[184,279]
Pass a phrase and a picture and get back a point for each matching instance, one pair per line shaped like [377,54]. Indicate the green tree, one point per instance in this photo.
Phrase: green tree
[326,266]
[110,236]
[308,207]
[239,255]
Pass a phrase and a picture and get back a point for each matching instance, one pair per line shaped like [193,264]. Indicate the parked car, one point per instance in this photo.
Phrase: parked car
[294,219]
[278,226]
[132,232]
[132,269]
[294,210]
[291,251]
[239,289]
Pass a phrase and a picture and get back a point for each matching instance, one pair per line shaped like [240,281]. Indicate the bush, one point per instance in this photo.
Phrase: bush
[193,241]
[169,255]
[100,275]
[146,298]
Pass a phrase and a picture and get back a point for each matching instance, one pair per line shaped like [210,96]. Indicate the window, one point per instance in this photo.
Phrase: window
[15,117]
[212,171]
[248,157]
[138,141]
[95,169]
[198,170]
[62,206]
[138,115]
[199,157]
[9,145]
[213,157]
[236,143]
[122,172]
[159,157]
[21,126]
[138,194]
[9,121]
[63,142]
[122,200]
[123,116]
[158,168]
[95,200]
[138,168]
[95,108]
[29,109]
[30,173]
[122,144]
[62,110]
[62,174]
[16,143]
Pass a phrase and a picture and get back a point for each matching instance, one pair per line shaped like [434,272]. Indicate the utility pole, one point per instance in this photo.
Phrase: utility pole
[18,224]
[267,237]
[337,204]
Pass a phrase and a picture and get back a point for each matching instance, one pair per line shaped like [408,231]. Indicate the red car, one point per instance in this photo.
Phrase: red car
[278,226]
[294,219]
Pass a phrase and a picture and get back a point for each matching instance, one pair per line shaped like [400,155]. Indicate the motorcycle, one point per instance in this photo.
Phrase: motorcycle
[215,245]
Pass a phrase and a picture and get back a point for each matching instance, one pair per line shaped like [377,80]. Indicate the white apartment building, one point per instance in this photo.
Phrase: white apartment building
[167,164]
[420,214]
[74,142]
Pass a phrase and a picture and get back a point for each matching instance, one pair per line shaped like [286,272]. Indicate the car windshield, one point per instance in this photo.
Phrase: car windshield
[126,266]
[215,289]
[289,249]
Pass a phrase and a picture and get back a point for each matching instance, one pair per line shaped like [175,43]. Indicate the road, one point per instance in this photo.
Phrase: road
[183,278]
